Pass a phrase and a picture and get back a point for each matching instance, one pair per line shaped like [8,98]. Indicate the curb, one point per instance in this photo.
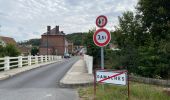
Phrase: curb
[4,77]
[63,85]
[66,83]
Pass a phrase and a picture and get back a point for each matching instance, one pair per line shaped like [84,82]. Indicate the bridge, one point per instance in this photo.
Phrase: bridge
[39,77]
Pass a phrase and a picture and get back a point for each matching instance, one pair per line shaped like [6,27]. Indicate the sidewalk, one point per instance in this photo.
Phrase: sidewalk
[77,76]
[12,72]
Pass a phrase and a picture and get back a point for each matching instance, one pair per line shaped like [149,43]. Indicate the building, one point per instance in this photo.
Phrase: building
[7,40]
[53,42]
[25,49]
[70,47]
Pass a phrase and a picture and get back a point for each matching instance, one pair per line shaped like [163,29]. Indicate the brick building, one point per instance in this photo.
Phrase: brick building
[54,42]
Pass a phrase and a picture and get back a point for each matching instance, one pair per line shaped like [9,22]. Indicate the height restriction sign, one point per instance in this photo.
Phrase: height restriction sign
[101,21]
[101,37]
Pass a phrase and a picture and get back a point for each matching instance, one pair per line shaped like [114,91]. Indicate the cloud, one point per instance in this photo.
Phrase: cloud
[30,17]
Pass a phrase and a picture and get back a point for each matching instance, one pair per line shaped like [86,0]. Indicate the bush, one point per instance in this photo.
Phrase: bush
[9,50]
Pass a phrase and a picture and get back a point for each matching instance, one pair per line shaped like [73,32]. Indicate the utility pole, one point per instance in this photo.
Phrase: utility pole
[48,32]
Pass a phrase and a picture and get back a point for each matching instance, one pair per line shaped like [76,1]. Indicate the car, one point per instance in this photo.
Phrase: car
[66,55]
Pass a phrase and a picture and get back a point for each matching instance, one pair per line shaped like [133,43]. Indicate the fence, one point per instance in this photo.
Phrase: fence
[8,63]
[89,63]
[150,80]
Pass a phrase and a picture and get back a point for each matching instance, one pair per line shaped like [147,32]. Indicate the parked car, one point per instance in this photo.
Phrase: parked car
[66,55]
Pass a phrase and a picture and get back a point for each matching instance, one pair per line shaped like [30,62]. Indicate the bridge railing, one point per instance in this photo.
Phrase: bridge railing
[8,63]
[89,63]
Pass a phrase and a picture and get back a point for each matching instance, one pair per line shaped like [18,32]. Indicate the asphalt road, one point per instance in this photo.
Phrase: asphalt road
[39,84]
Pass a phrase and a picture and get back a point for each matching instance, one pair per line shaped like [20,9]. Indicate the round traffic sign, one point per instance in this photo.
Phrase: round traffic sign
[101,21]
[101,37]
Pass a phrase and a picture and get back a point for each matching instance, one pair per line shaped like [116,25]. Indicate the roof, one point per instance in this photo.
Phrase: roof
[53,32]
[8,40]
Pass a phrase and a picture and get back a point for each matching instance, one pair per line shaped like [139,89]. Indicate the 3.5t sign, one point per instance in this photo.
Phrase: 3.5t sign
[101,37]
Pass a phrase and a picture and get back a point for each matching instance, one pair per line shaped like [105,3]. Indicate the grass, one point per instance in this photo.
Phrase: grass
[138,91]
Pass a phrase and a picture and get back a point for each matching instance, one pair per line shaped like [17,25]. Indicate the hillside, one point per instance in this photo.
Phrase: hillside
[76,38]
[33,42]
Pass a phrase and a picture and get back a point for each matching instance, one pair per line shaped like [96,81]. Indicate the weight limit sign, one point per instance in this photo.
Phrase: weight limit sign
[101,37]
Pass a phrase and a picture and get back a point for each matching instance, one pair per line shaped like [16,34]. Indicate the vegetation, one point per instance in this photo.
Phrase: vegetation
[144,40]
[33,42]
[138,91]
[76,38]
[9,50]
[91,48]
[34,51]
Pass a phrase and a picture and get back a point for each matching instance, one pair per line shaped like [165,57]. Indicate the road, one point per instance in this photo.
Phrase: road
[39,84]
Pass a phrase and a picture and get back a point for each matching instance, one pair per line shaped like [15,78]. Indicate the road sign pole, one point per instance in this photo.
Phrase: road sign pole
[128,86]
[95,85]
[102,58]
[102,62]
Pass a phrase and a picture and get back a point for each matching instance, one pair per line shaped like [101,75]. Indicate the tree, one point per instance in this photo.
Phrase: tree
[76,38]
[34,51]
[92,49]
[156,17]
[156,22]
[33,42]
[144,38]
[11,50]
[2,54]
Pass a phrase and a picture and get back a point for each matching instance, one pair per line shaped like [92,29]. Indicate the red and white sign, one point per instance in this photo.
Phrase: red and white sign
[101,37]
[113,77]
[101,21]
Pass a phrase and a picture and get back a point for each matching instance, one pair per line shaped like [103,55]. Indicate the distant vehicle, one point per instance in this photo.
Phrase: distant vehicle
[66,55]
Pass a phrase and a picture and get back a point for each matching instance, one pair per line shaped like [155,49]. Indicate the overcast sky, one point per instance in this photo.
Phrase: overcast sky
[26,19]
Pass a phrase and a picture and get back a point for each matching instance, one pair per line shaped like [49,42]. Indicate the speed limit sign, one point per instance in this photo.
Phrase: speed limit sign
[101,37]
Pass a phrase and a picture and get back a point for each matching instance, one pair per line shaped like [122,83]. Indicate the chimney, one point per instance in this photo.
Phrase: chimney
[56,29]
[48,29]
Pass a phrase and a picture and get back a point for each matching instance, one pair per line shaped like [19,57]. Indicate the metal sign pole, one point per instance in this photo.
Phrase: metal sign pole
[128,86]
[102,58]
[102,62]
[95,85]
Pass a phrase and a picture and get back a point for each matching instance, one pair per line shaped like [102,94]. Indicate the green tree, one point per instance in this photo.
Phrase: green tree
[156,22]
[34,51]
[144,38]
[2,54]
[156,17]
[11,50]
[92,49]
[76,38]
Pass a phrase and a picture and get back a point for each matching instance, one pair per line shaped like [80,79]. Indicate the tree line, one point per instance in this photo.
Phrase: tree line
[143,38]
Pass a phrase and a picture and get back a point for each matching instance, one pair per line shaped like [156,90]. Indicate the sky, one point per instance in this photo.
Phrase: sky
[27,19]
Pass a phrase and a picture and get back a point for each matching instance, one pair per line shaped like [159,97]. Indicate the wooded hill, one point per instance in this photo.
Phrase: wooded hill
[76,38]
